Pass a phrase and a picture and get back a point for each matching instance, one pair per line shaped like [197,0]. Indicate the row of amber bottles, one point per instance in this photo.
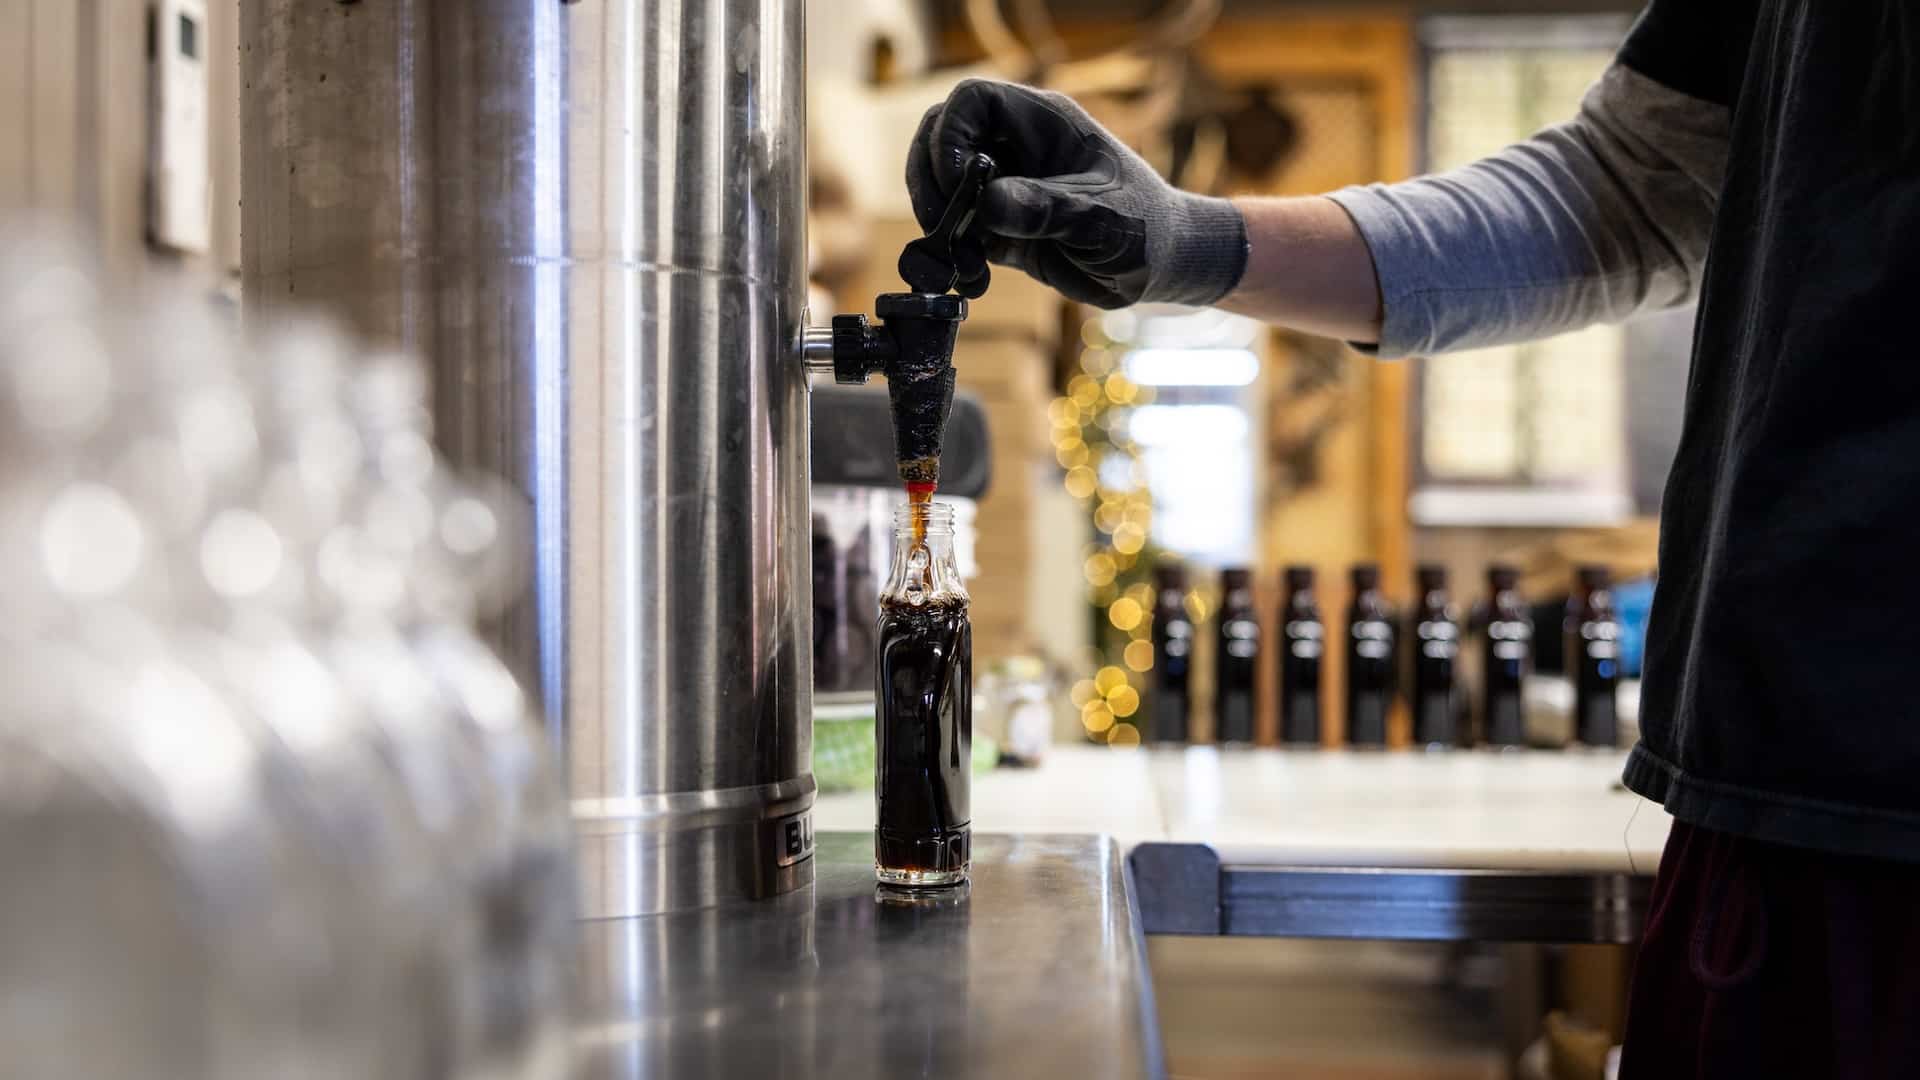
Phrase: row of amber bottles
[1379,648]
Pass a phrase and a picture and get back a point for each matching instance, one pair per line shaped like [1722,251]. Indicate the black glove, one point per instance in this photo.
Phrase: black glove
[1071,204]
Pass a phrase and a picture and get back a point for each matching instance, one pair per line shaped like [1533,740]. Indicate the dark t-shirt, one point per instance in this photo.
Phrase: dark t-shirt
[1783,657]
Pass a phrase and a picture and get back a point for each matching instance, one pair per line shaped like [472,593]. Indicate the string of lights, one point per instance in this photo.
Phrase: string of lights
[1105,471]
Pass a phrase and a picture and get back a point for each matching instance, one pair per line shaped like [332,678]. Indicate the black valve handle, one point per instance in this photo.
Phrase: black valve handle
[927,264]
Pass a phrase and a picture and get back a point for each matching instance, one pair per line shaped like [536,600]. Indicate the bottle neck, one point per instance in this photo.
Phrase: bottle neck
[924,568]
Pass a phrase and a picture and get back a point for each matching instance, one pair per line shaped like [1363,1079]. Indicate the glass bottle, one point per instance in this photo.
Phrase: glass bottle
[923,687]
[1172,654]
[1370,649]
[1236,659]
[1506,658]
[1302,641]
[1436,648]
[1593,657]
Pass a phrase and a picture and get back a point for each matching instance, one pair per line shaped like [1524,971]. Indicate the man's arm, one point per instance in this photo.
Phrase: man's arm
[1308,267]
[1588,221]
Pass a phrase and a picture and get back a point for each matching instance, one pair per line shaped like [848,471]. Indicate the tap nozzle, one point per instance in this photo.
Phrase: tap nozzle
[914,343]
[913,347]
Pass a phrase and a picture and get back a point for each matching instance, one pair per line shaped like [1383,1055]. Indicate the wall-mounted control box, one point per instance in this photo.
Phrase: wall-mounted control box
[179,199]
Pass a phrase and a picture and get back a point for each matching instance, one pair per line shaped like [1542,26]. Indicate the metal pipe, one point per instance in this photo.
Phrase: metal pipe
[589,218]
[816,349]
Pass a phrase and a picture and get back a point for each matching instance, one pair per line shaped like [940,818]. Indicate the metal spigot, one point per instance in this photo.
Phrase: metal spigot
[913,343]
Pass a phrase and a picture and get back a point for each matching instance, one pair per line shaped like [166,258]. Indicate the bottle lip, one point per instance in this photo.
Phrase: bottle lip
[936,515]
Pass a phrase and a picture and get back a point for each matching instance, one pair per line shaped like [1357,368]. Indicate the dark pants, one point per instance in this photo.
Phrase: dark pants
[1764,961]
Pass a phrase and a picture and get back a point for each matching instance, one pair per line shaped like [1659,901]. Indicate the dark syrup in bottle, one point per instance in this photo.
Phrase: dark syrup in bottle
[923,696]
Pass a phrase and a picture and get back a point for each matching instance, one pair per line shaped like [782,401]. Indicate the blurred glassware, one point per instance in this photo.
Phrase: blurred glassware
[1013,709]
[269,805]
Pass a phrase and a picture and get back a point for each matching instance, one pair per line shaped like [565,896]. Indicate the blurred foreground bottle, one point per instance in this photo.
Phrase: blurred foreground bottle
[268,804]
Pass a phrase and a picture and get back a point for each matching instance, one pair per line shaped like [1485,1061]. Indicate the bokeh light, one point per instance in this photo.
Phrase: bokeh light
[1197,606]
[1100,569]
[1092,441]
[1098,362]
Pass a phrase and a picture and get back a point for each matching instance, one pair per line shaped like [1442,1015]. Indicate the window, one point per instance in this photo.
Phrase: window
[189,37]
[1196,437]
[1535,433]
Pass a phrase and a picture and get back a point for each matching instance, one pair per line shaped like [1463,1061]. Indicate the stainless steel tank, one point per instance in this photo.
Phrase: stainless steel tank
[589,218]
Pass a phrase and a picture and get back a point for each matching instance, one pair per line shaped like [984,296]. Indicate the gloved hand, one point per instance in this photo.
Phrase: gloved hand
[1071,205]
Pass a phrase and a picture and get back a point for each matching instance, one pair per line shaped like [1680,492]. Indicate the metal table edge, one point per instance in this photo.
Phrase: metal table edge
[1187,889]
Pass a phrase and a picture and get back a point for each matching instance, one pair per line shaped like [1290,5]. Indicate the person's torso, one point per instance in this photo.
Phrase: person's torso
[1784,654]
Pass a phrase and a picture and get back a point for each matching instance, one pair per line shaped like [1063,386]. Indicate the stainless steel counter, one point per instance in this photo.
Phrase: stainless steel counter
[1038,969]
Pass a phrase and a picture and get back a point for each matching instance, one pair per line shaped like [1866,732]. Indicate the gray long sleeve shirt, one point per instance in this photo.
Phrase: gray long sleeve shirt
[1777,701]
[1588,221]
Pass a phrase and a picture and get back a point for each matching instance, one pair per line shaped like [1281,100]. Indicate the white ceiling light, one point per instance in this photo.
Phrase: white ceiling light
[1192,367]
